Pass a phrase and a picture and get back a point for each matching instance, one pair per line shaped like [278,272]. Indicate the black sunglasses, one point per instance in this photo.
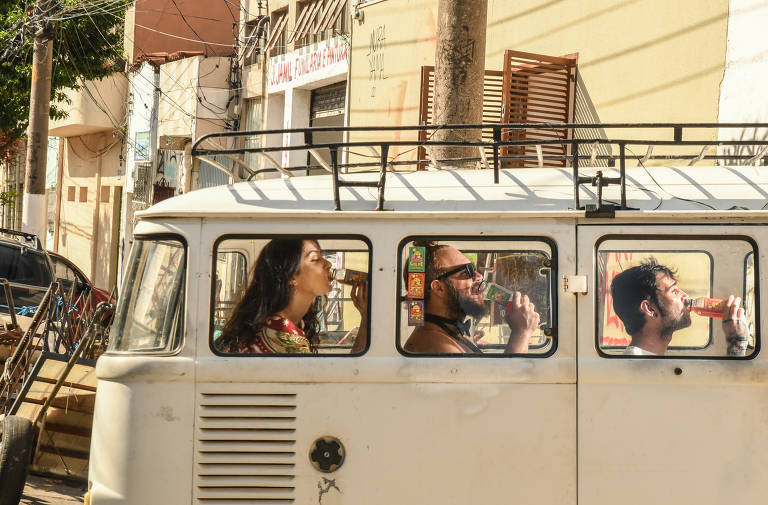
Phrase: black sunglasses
[468,268]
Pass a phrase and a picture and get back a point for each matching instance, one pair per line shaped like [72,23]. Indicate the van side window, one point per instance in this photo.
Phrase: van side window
[477,296]
[288,295]
[662,297]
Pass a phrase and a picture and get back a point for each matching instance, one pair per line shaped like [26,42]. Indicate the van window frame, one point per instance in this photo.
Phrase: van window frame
[551,288]
[303,236]
[714,237]
[179,340]
[710,339]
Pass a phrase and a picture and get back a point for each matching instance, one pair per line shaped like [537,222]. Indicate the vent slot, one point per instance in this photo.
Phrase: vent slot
[245,448]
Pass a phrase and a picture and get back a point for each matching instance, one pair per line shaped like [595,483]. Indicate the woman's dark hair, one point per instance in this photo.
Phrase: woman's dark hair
[270,292]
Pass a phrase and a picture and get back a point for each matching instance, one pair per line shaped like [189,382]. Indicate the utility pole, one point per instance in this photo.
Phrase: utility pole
[459,75]
[34,209]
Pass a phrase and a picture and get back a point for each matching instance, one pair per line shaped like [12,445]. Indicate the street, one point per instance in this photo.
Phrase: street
[52,491]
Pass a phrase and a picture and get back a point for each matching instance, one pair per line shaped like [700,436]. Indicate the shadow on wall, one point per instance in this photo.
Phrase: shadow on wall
[741,154]
[585,113]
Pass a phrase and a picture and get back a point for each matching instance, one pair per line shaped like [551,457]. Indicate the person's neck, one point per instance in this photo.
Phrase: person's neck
[297,308]
[653,342]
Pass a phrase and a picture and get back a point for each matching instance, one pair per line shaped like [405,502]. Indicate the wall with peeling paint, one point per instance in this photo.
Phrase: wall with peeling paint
[742,92]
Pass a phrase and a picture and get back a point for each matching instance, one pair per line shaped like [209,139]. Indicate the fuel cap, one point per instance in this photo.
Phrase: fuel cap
[326,454]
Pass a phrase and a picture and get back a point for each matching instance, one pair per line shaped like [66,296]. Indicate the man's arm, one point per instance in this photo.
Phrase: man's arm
[522,320]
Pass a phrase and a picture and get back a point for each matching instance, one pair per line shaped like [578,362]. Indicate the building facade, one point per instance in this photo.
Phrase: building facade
[304,47]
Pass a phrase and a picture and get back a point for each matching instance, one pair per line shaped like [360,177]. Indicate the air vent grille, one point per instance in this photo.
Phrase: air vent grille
[245,448]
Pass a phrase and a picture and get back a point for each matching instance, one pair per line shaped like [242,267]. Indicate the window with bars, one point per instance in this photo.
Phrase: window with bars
[141,183]
[319,20]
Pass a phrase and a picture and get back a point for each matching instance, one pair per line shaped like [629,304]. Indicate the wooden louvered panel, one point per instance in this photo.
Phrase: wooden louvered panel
[493,100]
[538,89]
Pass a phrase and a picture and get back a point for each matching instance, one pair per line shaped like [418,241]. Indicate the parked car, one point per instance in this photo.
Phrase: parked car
[30,269]
[73,279]
[27,267]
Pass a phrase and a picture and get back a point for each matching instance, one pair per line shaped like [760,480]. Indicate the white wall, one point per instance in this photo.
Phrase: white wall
[743,96]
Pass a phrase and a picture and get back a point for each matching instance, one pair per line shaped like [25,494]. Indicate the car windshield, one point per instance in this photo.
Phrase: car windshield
[27,272]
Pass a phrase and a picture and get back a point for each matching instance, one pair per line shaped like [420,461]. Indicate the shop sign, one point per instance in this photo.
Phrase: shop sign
[142,146]
[303,66]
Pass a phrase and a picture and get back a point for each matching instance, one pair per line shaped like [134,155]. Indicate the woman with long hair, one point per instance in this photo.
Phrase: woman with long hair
[279,311]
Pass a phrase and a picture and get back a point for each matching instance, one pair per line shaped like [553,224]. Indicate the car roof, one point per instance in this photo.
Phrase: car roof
[19,238]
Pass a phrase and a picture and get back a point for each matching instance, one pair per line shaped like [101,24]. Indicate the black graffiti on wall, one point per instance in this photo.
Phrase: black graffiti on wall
[376,57]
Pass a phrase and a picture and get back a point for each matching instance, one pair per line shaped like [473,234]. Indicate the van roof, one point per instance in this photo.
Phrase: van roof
[529,190]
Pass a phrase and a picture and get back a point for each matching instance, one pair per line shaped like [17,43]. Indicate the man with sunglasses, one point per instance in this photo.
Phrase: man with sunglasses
[451,296]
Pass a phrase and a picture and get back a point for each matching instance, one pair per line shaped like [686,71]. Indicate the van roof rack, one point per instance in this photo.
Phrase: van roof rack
[509,145]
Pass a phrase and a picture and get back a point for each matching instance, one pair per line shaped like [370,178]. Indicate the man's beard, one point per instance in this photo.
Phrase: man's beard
[674,323]
[465,305]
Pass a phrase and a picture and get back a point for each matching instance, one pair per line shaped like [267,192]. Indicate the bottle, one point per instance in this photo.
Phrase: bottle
[348,276]
[494,293]
[707,307]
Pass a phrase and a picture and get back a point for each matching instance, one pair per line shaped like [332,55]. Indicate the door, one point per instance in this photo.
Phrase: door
[682,426]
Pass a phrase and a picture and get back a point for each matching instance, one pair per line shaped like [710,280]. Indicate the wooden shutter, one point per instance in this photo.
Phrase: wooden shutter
[538,89]
[492,104]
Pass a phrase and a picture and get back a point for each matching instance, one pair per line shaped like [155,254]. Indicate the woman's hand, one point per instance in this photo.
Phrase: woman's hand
[360,300]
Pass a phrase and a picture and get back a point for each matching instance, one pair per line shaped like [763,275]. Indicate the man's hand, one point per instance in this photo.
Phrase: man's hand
[734,327]
[522,320]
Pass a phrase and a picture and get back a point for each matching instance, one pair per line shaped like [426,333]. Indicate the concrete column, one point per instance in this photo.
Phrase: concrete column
[459,73]
[273,121]
[295,115]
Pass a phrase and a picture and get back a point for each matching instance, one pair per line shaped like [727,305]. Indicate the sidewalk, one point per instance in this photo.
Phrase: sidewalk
[52,491]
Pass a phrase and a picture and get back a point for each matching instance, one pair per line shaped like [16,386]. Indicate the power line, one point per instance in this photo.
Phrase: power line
[191,27]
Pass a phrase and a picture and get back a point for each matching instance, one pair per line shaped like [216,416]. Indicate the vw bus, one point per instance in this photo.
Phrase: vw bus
[573,420]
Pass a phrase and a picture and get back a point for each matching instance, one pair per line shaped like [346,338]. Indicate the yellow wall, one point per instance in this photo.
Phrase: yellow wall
[639,60]
[389,47]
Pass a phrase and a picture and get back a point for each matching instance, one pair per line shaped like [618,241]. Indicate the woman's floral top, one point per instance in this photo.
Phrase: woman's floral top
[278,336]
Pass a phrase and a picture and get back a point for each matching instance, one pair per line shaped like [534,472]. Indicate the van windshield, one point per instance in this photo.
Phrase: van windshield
[150,312]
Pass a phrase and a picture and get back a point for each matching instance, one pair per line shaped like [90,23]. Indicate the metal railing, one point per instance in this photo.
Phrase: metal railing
[577,150]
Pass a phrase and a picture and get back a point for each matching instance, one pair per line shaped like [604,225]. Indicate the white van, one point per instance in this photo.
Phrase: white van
[573,420]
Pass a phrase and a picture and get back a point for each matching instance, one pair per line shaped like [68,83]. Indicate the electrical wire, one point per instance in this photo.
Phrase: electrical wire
[664,190]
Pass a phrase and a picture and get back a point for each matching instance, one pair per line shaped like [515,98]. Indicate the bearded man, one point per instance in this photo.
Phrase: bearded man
[652,307]
[450,296]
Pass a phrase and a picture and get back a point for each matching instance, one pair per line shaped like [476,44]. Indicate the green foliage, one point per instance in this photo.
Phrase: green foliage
[87,45]
[8,197]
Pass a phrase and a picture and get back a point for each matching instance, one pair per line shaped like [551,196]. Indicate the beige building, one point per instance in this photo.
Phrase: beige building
[305,48]
[90,175]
